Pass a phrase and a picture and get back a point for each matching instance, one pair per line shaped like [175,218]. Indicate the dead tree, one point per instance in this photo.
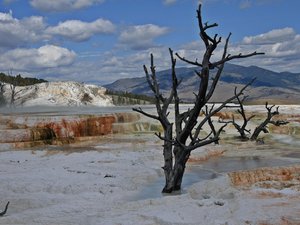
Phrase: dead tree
[5,210]
[177,148]
[13,93]
[263,127]
[2,97]
[12,86]
[243,131]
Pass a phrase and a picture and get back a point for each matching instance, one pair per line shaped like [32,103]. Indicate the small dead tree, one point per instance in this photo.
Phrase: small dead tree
[12,86]
[13,95]
[177,148]
[13,91]
[263,127]
[2,97]
[242,129]
[245,134]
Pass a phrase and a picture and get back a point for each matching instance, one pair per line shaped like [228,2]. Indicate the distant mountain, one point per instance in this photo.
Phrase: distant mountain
[57,94]
[281,87]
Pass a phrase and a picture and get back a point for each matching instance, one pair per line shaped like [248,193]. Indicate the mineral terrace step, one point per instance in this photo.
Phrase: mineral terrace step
[18,131]
[15,135]
[3,126]
[141,126]
[32,120]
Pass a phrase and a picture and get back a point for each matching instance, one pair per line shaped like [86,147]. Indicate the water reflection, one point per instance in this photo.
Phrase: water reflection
[229,164]
[293,155]
[287,139]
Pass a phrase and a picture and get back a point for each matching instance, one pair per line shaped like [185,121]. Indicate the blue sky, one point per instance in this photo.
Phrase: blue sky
[100,41]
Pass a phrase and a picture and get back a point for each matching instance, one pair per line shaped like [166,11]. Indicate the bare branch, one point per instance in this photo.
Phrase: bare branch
[195,63]
[206,137]
[164,139]
[279,122]
[139,110]
[149,79]
[206,26]
[239,56]
[210,123]
[219,72]
[203,27]
[206,142]
[5,210]
[263,126]
[175,84]
[199,127]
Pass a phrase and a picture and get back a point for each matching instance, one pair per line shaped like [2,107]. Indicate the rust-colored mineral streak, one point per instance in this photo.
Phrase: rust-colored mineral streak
[277,174]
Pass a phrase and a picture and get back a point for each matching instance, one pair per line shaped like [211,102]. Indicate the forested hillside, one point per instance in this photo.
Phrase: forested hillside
[19,80]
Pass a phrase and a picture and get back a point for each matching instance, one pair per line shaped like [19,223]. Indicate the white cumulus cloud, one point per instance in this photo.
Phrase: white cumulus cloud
[16,33]
[169,2]
[77,30]
[62,5]
[47,56]
[271,37]
[244,4]
[281,48]
[141,36]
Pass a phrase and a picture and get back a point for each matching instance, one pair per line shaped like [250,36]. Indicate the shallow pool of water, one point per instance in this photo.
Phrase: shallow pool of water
[208,170]
[229,164]
[193,175]
[287,140]
[293,155]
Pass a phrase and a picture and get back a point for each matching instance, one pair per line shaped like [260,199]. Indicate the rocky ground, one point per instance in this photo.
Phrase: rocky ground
[117,179]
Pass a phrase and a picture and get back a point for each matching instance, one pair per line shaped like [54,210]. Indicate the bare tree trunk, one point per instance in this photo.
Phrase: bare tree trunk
[168,158]
[178,169]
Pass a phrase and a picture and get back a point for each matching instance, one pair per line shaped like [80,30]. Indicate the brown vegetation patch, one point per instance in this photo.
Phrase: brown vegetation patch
[69,150]
[284,220]
[226,115]
[279,204]
[289,117]
[270,194]
[290,129]
[283,177]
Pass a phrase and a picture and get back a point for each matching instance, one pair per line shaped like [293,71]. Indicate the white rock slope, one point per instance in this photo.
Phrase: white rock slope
[58,94]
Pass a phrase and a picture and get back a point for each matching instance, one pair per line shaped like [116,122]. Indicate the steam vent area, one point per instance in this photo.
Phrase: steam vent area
[27,129]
